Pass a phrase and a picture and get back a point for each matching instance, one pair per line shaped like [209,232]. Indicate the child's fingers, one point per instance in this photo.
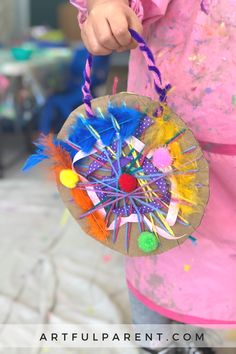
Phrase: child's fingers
[133,45]
[134,22]
[93,48]
[119,28]
[104,35]
[111,31]
[91,42]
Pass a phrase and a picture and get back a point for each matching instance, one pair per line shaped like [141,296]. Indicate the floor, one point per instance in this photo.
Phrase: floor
[50,270]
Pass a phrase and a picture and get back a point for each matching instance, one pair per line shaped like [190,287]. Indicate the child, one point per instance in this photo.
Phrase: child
[194,46]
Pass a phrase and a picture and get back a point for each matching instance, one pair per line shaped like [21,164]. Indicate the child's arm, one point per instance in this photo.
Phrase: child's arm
[106,26]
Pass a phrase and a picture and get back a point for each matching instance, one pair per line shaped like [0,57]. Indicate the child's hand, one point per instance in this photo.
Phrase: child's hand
[106,28]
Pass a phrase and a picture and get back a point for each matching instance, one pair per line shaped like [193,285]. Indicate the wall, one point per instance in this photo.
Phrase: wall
[44,12]
[14,19]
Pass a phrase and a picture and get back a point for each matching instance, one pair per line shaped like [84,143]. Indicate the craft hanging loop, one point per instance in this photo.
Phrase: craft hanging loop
[149,58]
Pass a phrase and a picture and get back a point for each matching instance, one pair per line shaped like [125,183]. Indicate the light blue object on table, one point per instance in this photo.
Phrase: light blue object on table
[41,59]
[21,54]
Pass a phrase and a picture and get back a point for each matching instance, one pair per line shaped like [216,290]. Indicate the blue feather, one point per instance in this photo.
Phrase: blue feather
[40,153]
[37,157]
[81,136]
[33,160]
[105,129]
[127,118]
[72,151]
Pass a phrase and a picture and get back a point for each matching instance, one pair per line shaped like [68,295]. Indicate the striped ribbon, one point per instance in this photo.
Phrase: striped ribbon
[86,88]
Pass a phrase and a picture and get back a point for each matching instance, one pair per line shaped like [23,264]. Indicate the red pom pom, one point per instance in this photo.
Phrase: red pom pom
[127,183]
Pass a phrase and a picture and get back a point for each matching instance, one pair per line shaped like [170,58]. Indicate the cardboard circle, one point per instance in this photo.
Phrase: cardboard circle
[202,177]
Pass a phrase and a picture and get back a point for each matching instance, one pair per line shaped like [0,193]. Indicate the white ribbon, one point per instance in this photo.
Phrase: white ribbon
[173,207]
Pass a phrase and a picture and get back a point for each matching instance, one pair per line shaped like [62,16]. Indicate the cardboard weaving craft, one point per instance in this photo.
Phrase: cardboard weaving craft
[129,170]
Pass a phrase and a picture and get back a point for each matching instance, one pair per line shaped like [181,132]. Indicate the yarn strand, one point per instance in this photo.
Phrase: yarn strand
[149,58]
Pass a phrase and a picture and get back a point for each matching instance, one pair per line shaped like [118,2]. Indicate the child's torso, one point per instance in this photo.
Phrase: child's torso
[194,44]
[195,48]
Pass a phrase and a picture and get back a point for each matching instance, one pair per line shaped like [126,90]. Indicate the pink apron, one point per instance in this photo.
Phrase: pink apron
[194,43]
[195,48]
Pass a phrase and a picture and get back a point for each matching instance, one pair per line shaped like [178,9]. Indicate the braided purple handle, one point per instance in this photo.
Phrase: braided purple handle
[162,92]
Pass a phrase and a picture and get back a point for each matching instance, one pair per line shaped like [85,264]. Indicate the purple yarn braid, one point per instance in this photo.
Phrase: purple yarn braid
[162,92]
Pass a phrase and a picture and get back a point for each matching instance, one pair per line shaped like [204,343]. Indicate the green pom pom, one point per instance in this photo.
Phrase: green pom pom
[148,242]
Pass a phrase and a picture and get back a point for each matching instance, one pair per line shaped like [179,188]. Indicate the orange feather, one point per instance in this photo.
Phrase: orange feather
[61,160]
[96,224]
[58,156]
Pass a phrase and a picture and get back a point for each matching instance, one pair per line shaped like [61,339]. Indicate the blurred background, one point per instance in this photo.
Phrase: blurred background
[50,272]
[41,72]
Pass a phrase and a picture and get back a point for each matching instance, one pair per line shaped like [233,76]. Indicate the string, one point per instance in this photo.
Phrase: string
[86,88]
[148,55]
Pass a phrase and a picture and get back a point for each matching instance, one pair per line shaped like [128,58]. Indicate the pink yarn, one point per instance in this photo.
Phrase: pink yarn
[86,87]
[161,158]
[4,84]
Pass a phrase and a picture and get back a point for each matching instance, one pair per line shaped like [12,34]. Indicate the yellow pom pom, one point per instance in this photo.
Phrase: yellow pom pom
[68,178]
